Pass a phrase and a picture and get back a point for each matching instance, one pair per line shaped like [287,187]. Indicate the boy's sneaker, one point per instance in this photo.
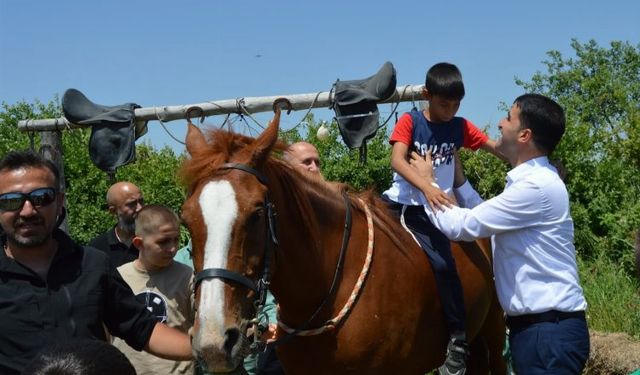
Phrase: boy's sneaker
[456,362]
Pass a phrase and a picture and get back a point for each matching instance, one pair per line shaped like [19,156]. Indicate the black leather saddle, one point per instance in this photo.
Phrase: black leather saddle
[355,105]
[113,129]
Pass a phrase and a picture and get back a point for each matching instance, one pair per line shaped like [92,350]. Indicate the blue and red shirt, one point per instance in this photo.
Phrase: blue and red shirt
[442,139]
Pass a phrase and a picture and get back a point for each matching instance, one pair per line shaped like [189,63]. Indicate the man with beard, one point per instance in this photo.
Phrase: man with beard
[53,290]
[124,201]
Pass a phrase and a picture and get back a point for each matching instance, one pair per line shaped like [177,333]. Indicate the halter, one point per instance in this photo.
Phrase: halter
[226,275]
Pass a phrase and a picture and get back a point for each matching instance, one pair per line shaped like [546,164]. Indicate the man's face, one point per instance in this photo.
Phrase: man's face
[129,204]
[30,225]
[158,249]
[305,158]
[510,129]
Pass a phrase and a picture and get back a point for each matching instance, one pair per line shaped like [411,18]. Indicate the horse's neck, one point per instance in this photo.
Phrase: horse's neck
[310,227]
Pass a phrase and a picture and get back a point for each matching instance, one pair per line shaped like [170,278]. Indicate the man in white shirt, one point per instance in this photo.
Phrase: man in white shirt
[531,229]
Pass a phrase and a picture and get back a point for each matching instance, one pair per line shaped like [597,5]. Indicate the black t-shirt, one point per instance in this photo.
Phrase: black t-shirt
[117,252]
[81,293]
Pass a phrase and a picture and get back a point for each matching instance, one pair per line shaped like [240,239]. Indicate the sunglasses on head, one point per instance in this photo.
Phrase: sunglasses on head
[38,198]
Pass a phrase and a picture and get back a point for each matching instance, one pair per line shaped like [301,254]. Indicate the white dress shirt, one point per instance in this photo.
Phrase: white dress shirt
[531,232]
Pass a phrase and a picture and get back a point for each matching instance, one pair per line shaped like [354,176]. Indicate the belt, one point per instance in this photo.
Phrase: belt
[520,321]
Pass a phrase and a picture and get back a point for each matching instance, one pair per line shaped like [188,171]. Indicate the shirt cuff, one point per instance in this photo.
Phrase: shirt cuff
[464,191]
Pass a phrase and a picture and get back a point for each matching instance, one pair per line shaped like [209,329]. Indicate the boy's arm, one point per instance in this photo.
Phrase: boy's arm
[169,343]
[458,178]
[420,175]
[490,147]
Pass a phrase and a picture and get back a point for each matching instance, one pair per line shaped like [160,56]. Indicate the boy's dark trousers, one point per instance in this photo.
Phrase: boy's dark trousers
[438,249]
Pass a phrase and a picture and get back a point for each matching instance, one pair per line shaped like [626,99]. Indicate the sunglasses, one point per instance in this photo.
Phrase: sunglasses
[38,198]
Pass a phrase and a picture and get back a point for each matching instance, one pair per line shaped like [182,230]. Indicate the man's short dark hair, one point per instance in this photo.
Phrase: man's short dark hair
[29,159]
[445,80]
[544,117]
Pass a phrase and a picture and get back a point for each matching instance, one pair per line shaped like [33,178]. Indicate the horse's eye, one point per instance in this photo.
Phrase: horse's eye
[256,215]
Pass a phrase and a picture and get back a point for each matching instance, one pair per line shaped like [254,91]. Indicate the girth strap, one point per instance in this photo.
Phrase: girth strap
[220,273]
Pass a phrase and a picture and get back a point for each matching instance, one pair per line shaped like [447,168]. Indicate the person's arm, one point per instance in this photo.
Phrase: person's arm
[515,208]
[490,147]
[169,343]
[418,173]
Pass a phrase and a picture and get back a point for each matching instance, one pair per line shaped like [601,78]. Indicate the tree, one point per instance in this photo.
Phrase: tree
[600,91]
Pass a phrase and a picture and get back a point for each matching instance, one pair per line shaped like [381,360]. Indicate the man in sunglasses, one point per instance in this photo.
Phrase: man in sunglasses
[53,290]
[124,201]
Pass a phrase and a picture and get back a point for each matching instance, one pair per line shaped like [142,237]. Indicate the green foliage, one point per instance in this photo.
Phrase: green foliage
[600,90]
[12,138]
[612,295]
[339,163]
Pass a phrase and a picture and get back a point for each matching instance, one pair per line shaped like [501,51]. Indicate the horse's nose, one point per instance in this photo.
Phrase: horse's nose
[231,337]
[219,353]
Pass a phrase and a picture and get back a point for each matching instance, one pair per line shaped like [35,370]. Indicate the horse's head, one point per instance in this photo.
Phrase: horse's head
[228,215]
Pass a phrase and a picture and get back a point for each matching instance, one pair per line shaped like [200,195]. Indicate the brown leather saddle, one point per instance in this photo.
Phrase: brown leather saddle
[356,109]
[113,129]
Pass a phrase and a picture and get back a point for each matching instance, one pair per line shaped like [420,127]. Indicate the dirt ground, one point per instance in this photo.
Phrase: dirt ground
[613,354]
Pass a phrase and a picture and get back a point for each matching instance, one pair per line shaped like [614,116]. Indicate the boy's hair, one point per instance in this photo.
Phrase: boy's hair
[153,215]
[29,159]
[80,357]
[445,80]
[544,117]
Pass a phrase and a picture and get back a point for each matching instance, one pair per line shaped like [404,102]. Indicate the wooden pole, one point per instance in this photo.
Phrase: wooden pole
[51,149]
[248,105]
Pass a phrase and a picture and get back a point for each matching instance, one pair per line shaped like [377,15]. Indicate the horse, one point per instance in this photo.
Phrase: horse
[356,294]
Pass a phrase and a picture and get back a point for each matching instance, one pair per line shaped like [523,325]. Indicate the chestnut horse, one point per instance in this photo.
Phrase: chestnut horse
[330,256]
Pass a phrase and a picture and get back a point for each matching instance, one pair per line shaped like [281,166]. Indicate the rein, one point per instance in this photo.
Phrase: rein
[331,324]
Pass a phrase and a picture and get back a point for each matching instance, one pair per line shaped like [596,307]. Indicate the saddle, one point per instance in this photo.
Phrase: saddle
[113,129]
[356,109]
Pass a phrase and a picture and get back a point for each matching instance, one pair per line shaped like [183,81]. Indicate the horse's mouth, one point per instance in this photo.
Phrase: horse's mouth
[227,357]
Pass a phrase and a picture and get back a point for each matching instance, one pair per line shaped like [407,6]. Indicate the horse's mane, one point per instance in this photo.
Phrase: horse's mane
[302,186]
[207,158]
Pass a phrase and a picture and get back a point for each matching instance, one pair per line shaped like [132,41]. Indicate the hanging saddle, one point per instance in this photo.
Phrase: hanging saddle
[356,109]
[113,129]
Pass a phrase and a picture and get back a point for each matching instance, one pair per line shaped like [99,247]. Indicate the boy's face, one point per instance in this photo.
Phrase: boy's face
[441,109]
[158,249]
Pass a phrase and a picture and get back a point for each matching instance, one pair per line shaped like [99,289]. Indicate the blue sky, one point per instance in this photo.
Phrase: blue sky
[158,53]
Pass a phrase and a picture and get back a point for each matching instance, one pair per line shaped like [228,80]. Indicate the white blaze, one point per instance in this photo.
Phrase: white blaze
[219,210]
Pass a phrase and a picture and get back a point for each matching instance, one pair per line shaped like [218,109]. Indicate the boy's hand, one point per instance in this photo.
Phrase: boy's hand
[434,195]
[422,165]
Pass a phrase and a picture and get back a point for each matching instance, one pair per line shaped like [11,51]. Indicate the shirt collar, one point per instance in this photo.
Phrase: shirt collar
[523,169]
[66,247]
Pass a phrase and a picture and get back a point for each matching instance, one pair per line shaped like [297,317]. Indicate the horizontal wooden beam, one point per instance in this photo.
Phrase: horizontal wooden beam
[248,105]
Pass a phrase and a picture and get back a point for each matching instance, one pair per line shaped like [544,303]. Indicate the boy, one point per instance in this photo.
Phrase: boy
[163,285]
[437,131]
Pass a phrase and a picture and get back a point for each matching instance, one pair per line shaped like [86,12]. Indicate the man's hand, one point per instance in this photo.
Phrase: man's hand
[434,195]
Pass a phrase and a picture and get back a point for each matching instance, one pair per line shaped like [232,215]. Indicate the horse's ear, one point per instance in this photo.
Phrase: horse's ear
[195,139]
[265,142]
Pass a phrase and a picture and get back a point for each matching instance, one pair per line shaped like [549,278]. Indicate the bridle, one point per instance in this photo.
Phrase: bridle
[220,273]
[264,282]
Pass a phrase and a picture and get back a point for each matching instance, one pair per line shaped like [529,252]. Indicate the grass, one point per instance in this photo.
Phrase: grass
[613,297]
